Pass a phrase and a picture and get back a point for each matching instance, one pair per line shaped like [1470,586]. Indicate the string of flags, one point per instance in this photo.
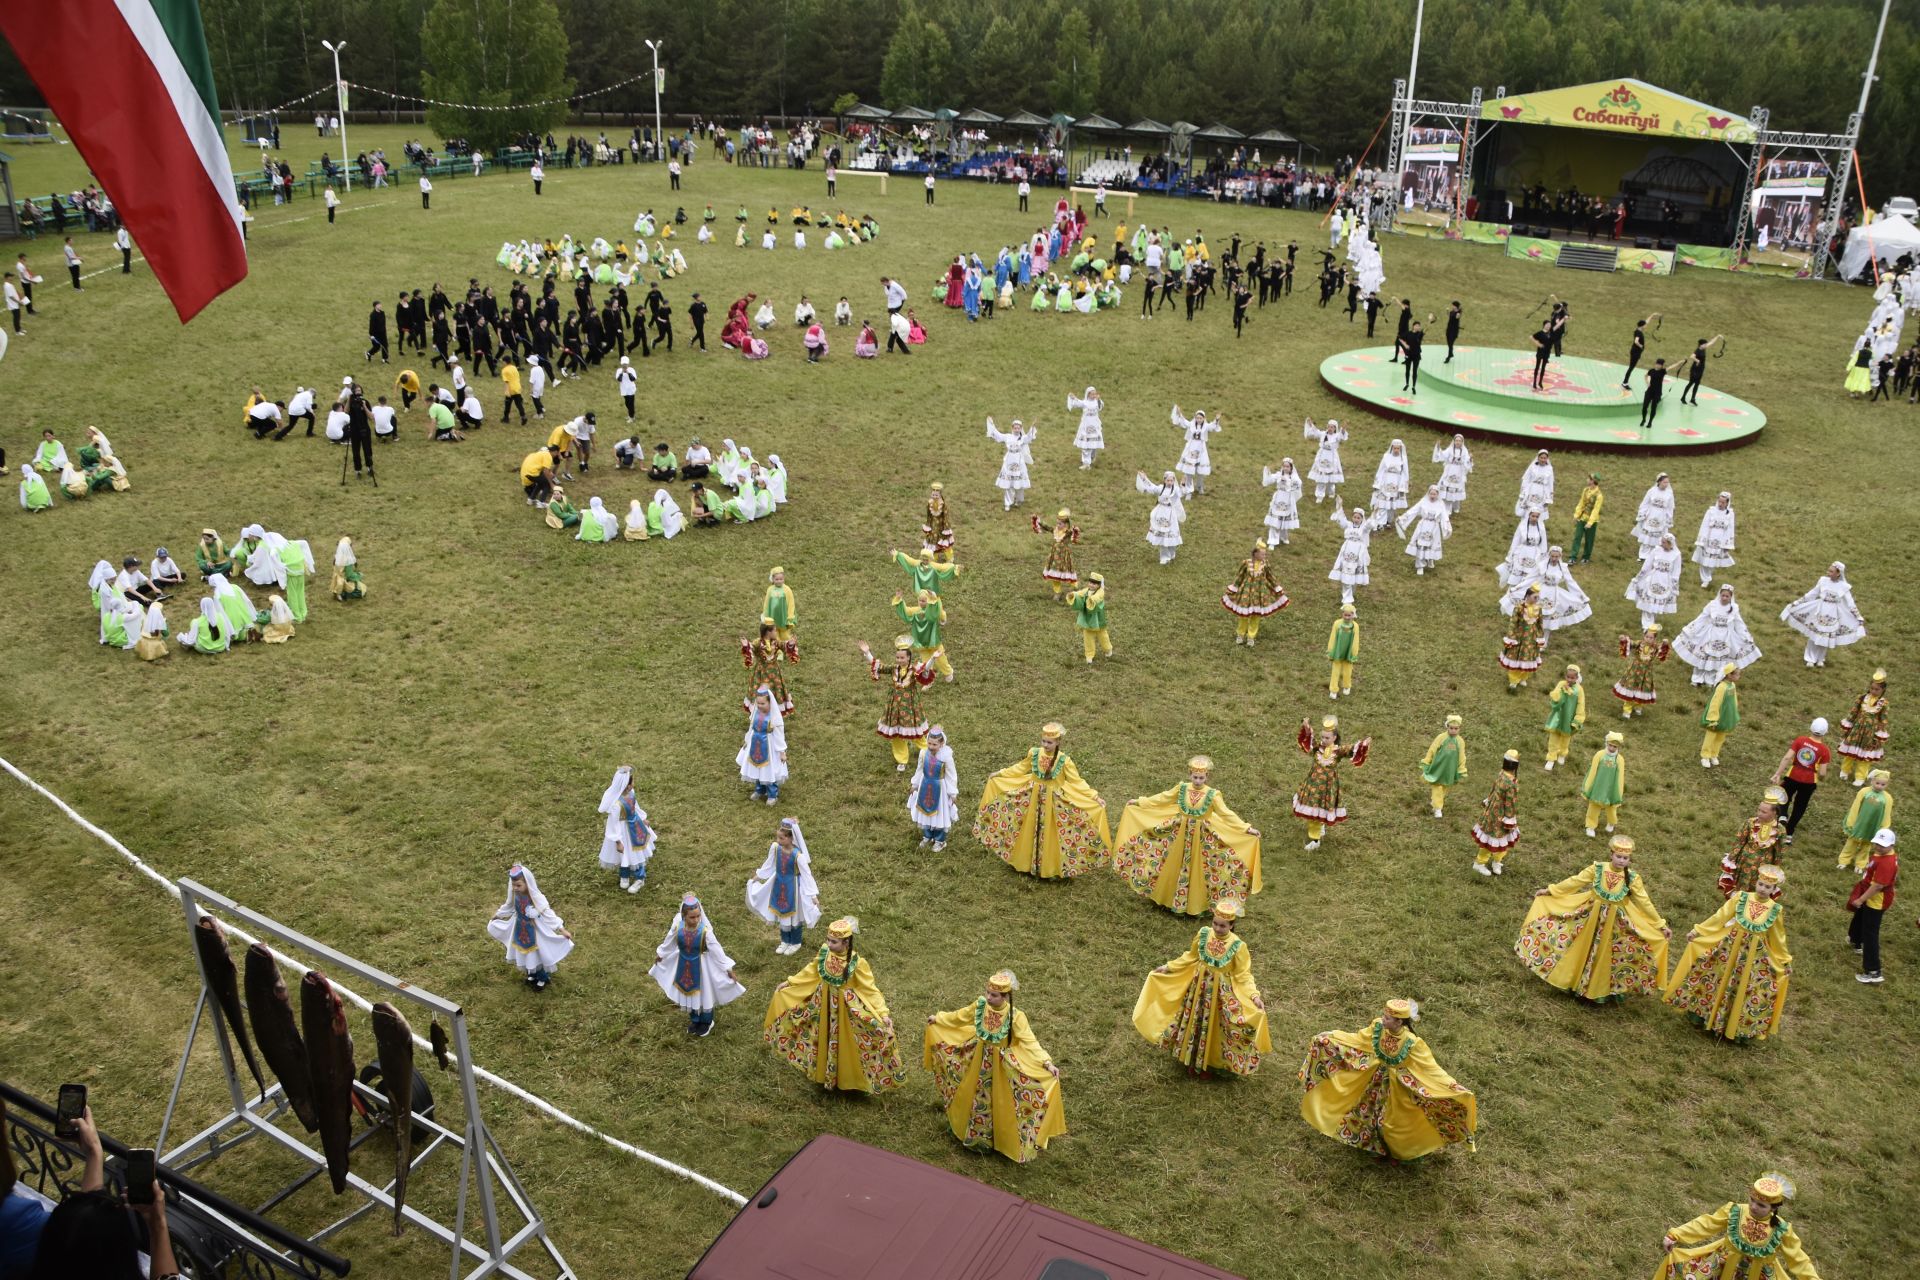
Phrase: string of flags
[516,106]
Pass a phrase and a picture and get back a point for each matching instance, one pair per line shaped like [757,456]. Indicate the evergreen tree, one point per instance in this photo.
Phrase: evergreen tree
[500,54]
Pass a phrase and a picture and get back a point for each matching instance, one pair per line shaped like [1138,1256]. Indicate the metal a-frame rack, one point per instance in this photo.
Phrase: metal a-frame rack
[483,1166]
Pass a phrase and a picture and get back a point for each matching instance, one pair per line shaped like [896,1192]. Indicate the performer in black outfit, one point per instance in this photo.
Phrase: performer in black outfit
[1373,310]
[1638,347]
[359,430]
[1410,349]
[1650,402]
[1241,297]
[697,312]
[1453,329]
[1557,326]
[377,332]
[1542,352]
[1400,329]
[1697,368]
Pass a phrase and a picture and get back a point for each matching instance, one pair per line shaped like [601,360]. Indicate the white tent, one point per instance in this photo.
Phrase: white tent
[1883,238]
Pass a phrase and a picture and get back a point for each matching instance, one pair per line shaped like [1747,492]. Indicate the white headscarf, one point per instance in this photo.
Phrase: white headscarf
[343,554]
[537,898]
[636,516]
[776,718]
[799,841]
[306,552]
[156,620]
[102,575]
[671,520]
[211,619]
[278,613]
[610,798]
[254,530]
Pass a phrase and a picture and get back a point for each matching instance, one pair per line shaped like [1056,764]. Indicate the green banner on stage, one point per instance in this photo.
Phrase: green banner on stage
[1547,251]
[1706,255]
[1483,233]
[1645,262]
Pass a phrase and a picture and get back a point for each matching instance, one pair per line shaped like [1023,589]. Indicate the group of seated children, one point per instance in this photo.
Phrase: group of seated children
[94,468]
[745,490]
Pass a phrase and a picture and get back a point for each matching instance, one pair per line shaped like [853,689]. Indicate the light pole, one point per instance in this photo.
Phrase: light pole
[1413,69]
[659,134]
[340,105]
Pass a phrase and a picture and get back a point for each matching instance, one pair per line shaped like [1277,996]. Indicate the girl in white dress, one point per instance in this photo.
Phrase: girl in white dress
[776,473]
[1656,588]
[1088,437]
[1168,514]
[1826,615]
[1654,520]
[1716,637]
[1713,547]
[1354,561]
[1432,525]
[1390,480]
[627,843]
[1326,473]
[1014,479]
[1283,513]
[1526,555]
[763,754]
[934,801]
[1536,485]
[693,969]
[1456,464]
[1194,462]
[1562,602]
[535,938]
[783,892]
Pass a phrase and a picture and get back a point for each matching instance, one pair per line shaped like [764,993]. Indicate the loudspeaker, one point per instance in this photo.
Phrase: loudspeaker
[1543,233]
[1642,242]
[1668,246]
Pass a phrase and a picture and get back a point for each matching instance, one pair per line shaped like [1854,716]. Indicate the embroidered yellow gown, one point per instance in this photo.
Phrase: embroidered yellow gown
[1732,978]
[993,1076]
[1204,1008]
[1040,818]
[1597,935]
[831,1022]
[1705,1249]
[1185,849]
[1383,1094]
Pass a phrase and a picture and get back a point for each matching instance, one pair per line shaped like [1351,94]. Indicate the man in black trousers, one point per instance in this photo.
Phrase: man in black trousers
[1542,352]
[360,430]
[377,332]
[1373,309]
[1649,402]
[1400,329]
[1453,329]
[1697,368]
[697,312]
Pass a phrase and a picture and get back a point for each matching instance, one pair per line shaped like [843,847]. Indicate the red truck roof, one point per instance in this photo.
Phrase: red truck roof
[841,1210]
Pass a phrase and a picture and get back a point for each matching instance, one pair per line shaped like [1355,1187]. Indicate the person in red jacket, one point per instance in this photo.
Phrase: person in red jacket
[1871,899]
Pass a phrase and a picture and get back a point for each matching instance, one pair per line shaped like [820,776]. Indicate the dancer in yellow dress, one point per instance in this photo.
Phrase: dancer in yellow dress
[1379,1089]
[1184,848]
[1871,810]
[779,606]
[1721,716]
[1526,637]
[1596,933]
[937,532]
[1001,1089]
[1059,572]
[902,724]
[1498,829]
[1863,731]
[1739,1242]
[1090,616]
[1605,786]
[1732,978]
[1204,1006]
[1254,595]
[1040,818]
[830,1020]
[1566,713]
[1444,764]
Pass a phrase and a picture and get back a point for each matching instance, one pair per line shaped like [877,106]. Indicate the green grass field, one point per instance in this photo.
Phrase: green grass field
[370,781]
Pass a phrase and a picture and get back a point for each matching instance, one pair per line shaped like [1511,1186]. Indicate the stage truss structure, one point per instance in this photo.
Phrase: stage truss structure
[1836,150]
[484,1170]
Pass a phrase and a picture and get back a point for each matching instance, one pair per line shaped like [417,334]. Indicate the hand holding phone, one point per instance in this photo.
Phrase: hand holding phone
[141,1171]
[72,1105]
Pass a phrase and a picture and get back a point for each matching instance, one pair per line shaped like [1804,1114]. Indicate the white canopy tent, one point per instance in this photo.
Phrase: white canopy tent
[1883,238]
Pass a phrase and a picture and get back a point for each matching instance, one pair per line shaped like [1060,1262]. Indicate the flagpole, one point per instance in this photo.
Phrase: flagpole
[340,105]
[1413,69]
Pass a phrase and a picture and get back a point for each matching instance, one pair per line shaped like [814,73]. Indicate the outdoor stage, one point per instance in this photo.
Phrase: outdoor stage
[1488,392]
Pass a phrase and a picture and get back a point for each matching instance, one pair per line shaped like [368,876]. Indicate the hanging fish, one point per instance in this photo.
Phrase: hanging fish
[394,1038]
[278,1032]
[216,965]
[323,1020]
[437,1037]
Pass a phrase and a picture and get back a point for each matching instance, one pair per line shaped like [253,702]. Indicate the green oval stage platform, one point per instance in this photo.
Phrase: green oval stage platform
[1489,392]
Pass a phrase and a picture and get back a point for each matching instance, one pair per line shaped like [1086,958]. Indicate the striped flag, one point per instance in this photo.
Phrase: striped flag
[131,82]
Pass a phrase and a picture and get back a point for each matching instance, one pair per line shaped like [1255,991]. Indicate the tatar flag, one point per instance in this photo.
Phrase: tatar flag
[132,83]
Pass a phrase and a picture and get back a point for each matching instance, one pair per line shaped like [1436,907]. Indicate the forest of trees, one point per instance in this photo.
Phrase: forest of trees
[1320,69]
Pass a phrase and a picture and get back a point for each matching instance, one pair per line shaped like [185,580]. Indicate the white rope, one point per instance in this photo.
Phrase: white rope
[498,1082]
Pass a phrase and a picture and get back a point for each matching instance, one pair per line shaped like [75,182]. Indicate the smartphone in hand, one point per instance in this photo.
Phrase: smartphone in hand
[141,1172]
[72,1105]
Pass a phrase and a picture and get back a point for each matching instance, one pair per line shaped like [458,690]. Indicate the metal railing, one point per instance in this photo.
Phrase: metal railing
[212,1236]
